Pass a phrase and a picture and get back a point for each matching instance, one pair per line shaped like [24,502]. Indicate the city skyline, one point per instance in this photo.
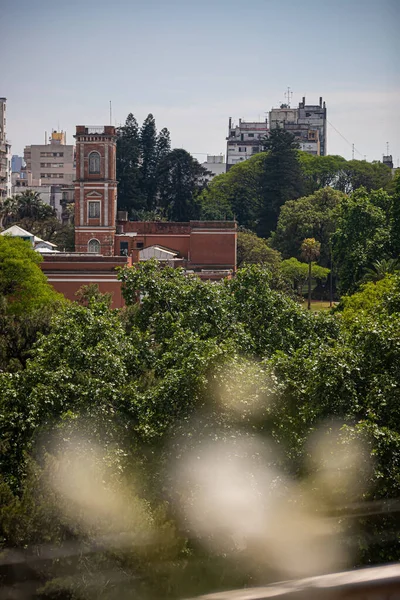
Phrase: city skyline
[195,65]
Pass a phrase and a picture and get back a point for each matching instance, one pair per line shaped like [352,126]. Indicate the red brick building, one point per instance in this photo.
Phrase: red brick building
[105,241]
[67,273]
[204,247]
[95,189]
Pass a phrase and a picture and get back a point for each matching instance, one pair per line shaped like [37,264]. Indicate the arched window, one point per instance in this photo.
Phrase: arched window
[94,162]
[94,246]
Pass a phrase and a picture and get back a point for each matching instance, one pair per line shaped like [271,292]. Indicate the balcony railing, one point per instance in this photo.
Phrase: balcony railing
[95,129]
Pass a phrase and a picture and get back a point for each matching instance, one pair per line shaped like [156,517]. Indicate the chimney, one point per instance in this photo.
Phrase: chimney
[304,101]
[320,101]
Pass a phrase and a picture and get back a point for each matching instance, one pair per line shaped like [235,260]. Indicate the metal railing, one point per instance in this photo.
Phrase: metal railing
[95,129]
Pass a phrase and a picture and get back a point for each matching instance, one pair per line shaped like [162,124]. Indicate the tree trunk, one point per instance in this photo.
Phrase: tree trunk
[309,286]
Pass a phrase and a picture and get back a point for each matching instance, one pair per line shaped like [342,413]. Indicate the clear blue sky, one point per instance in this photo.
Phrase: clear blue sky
[195,63]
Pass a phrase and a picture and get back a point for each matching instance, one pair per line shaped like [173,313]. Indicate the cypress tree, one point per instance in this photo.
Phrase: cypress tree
[128,173]
[181,180]
[148,142]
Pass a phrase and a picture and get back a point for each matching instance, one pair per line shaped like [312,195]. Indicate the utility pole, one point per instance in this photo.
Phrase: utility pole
[352,152]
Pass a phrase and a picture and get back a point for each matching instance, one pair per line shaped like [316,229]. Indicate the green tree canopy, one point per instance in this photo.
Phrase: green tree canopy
[254,250]
[282,179]
[139,154]
[310,216]
[343,175]
[181,178]
[362,236]
[296,273]
[23,285]
[130,195]
[225,361]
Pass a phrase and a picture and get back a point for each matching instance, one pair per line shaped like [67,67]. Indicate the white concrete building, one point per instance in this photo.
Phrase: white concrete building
[54,162]
[307,122]
[279,117]
[215,165]
[244,140]
[53,195]
[5,153]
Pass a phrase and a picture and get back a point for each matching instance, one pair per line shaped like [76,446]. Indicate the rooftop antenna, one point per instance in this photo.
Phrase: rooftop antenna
[352,152]
[288,96]
[387,148]
[110,113]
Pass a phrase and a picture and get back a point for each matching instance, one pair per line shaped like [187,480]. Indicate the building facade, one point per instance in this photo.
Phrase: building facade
[244,140]
[205,248]
[215,165]
[52,163]
[307,122]
[5,153]
[17,162]
[95,189]
[53,195]
[314,115]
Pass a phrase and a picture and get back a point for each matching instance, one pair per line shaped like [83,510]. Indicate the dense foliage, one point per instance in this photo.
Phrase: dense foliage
[154,182]
[127,393]
[255,190]
[32,214]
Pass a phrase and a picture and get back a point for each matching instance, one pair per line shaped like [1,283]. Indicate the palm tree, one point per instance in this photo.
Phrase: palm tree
[8,210]
[310,250]
[380,268]
[29,204]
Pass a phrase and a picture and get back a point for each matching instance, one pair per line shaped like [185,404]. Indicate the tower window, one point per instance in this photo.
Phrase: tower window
[94,162]
[94,246]
[94,210]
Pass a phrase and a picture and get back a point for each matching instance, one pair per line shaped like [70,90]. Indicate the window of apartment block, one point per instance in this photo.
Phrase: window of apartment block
[94,210]
[251,134]
[139,244]
[255,149]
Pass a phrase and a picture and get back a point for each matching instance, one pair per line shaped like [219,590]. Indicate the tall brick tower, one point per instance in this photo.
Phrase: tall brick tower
[95,189]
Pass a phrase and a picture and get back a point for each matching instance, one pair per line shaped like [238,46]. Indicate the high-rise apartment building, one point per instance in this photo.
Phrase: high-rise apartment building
[5,153]
[17,162]
[244,140]
[307,122]
[52,163]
